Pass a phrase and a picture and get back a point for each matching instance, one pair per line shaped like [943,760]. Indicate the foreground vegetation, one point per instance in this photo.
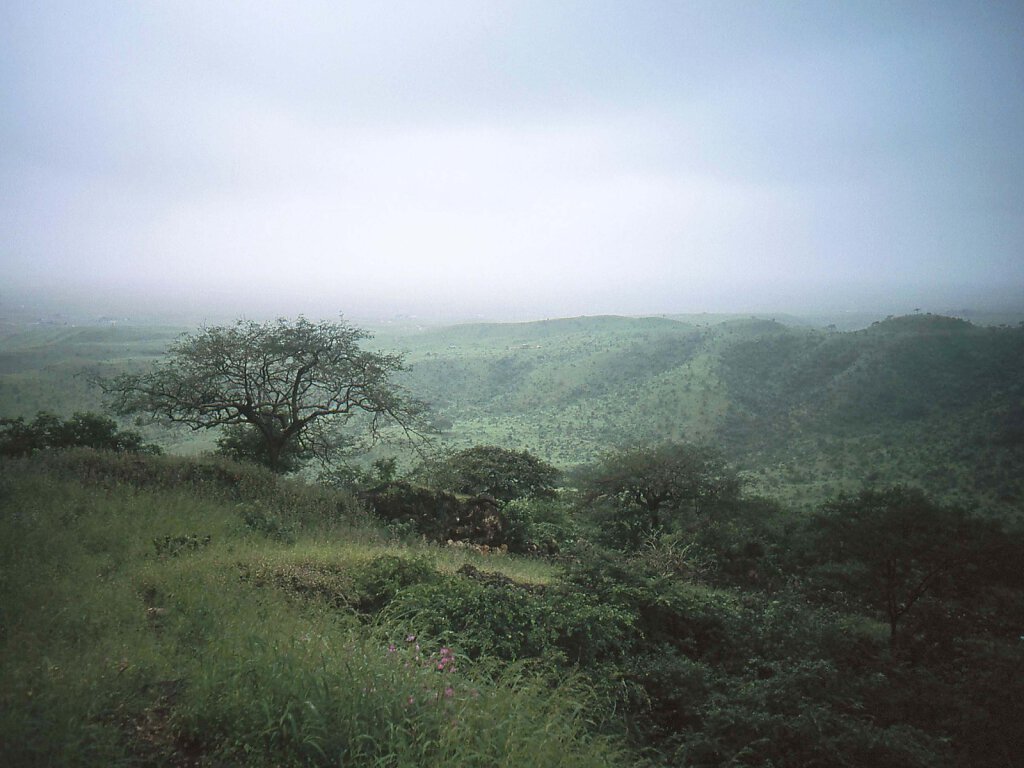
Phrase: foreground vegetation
[158,610]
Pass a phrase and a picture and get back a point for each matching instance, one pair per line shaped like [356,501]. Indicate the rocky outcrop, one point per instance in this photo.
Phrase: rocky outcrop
[441,516]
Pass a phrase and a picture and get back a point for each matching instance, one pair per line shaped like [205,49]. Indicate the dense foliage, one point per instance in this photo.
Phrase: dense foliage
[654,488]
[893,548]
[498,472]
[19,437]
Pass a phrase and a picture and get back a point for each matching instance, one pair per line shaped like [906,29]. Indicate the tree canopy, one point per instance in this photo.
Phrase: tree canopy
[499,472]
[894,546]
[671,476]
[293,383]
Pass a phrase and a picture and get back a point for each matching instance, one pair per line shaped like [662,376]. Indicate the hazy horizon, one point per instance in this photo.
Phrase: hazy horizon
[512,161]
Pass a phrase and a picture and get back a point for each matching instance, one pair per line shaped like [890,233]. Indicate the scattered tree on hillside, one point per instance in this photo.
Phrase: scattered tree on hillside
[89,430]
[894,546]
[499,472]
[672,477]
[288,382]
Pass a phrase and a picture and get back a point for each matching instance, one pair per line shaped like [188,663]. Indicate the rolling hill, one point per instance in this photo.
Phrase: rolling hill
[924,399]
[804,412]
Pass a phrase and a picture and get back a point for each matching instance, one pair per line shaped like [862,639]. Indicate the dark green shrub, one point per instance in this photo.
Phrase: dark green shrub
[667,694]
[492,471]
[82,430]
[659,488]
[539,526]
[242,442]
[795,714]
[380,580]
[503,619]
[747,544]
[665,609]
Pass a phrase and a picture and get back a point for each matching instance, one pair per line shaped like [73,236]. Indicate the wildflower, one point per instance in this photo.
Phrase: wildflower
[391,648]
[449,692]
[410,639]
[446,660]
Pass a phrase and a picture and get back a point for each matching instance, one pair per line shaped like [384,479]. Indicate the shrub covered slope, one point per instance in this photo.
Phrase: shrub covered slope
[163,611]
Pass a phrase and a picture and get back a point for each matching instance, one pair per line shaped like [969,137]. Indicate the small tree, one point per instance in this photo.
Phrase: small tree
[893,546]
[499,472]
[286,381]
[673,477]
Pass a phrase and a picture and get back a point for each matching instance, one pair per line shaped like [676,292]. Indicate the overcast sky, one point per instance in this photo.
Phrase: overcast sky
[515,159]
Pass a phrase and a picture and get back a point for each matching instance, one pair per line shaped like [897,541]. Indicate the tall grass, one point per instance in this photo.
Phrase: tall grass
[128,635]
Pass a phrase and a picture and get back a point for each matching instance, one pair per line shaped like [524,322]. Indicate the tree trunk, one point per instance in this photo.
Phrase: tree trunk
[275,447]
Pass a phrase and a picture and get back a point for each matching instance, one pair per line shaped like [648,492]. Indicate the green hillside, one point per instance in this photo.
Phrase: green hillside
[804,412]
[163,611]
[924,399]
[930,400]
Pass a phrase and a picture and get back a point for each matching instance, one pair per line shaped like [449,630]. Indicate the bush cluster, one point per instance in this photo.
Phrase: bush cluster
[737,635]
[19,437]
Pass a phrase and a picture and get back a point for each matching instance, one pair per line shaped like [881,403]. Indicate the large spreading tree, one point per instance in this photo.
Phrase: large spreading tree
[292,384]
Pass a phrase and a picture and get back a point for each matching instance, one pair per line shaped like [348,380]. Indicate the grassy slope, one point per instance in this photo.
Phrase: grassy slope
[130,638]
[160,611]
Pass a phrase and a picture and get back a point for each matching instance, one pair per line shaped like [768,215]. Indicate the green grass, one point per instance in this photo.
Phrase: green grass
[121,649]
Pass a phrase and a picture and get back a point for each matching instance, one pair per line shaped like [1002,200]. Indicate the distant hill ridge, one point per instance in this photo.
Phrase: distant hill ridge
[920,398]
[805,411]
